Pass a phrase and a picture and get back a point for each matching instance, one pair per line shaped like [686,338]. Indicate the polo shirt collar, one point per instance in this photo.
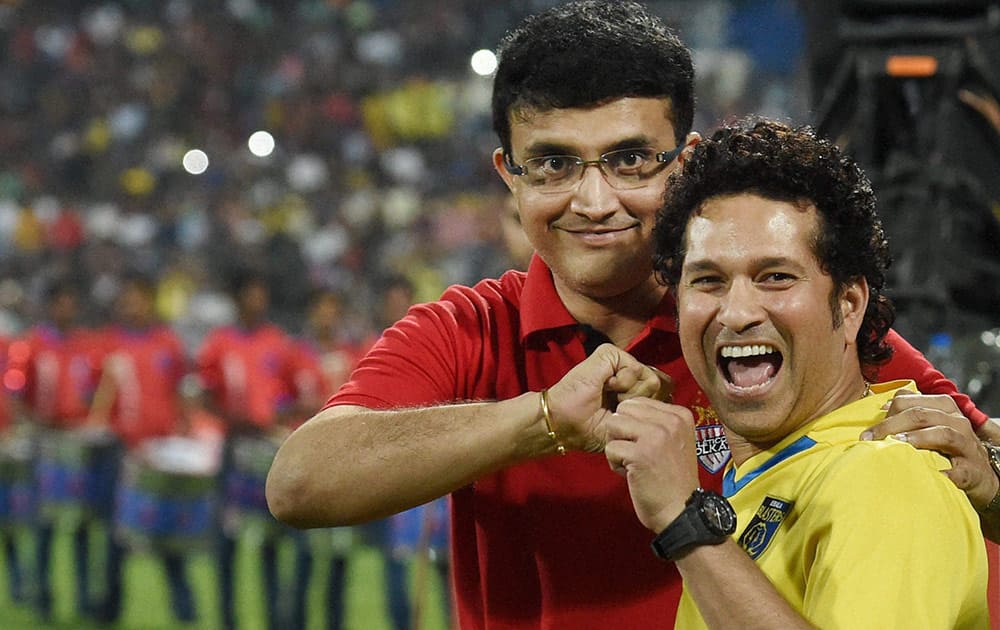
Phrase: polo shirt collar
[542,308]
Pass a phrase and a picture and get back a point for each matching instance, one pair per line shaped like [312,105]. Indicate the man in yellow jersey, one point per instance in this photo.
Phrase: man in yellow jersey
[771,242]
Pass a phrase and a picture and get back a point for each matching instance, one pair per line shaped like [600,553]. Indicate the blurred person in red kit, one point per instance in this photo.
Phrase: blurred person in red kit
[139,396]
[59,359]
[247,375]
[18,489]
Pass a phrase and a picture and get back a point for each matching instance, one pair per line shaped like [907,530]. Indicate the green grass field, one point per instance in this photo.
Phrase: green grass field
[146,603]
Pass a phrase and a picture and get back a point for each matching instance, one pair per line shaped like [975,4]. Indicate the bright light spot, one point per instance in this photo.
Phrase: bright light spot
[195,161]
[484,62]
[975,386]
[261,143]
[988,337]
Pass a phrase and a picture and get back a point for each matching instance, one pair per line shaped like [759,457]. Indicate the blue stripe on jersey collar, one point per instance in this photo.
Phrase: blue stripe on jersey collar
[729,484]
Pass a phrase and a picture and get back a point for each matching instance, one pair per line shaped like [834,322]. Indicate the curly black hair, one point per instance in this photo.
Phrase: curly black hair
[584,54]
[784,163]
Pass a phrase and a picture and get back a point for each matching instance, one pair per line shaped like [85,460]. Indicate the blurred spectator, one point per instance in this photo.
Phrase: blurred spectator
[517,245]
[247,371]
[59,360]
[325,360]
[16,485]
[364,171]
[139,396]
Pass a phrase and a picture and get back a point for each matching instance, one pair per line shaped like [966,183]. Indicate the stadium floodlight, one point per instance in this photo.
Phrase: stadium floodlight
[195,161]
[261,143]
[484,62]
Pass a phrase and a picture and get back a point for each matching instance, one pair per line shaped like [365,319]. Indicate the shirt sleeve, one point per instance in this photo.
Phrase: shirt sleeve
[428,357]
[895,545]
[909,363]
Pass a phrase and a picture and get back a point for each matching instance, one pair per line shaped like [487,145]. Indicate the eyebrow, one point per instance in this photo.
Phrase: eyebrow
[757,263]
[538,149]
[698,265]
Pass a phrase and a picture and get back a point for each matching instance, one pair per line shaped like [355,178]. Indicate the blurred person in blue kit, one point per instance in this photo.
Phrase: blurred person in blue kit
[414,539]
[324,359]
[247,373]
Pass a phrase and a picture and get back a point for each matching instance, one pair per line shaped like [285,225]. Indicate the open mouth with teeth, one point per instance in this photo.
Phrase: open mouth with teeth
[747,367]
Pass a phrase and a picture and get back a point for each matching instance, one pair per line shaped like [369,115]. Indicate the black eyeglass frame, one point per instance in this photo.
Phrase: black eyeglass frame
[665,157]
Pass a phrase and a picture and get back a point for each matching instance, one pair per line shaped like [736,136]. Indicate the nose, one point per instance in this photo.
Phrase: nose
[594,197]
[741,308]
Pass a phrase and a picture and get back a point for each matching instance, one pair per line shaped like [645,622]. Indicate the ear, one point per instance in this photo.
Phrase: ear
[501,170]
[853,303]
[690,142]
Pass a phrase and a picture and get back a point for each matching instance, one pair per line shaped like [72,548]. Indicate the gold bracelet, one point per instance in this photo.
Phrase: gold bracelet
[548,422]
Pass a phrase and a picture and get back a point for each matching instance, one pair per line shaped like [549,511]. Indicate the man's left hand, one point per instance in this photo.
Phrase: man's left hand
[651,444]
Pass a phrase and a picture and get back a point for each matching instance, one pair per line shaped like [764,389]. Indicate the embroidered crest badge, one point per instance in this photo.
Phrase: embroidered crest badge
[764,524]
[712,447]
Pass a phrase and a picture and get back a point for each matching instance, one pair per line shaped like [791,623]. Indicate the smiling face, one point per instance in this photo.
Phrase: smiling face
[758,327]
[595,238]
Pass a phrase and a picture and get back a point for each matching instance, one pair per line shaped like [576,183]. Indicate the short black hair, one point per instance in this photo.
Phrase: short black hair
[241,278]
[588,53]
[63,286]
[141,280]
[785,163]
[317,294]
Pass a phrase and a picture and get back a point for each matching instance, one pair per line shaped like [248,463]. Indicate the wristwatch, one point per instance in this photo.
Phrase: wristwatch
[993,452]
[707,519]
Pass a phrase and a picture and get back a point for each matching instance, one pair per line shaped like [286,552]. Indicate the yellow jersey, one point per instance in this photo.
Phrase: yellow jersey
[859,534]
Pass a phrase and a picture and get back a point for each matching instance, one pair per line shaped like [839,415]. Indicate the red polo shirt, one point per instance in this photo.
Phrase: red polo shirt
[908,363]
[550,543]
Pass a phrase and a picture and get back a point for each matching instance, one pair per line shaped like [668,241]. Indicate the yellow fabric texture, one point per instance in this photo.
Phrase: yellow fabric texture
[875,537]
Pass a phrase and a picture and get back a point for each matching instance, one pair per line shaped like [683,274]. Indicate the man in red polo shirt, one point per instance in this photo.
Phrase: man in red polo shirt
[472,395]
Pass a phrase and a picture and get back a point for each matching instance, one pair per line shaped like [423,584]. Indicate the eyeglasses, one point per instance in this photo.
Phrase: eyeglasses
[623,169]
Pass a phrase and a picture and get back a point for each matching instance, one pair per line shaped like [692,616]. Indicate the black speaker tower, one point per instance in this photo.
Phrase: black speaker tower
[892,82]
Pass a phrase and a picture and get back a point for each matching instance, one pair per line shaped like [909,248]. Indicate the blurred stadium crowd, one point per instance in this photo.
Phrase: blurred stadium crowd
[379,193]
[383,141]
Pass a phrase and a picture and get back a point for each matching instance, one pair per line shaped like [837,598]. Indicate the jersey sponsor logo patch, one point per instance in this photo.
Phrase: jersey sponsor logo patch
[712,447]
[764,524]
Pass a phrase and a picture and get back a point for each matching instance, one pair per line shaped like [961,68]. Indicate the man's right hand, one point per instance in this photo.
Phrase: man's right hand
[581,401]
[934,422]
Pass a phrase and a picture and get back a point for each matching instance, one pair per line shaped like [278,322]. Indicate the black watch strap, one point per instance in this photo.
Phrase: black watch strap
[707,519]
[678,536]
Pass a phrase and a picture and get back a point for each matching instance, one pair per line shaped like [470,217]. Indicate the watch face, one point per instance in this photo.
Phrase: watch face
[994,454]
[719,514]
